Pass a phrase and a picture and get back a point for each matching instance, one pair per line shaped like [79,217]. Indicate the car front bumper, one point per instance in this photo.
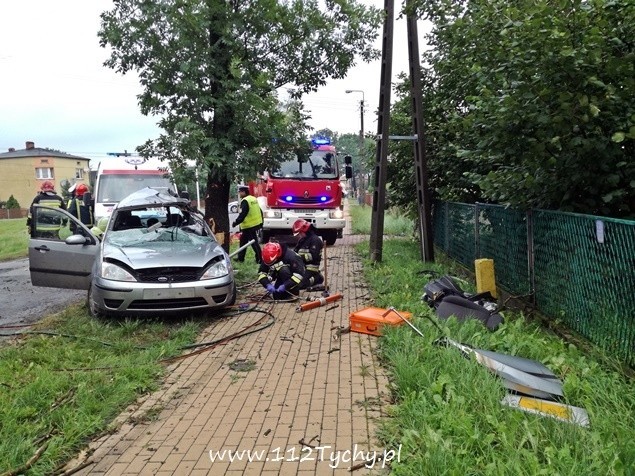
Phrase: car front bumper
[125,298]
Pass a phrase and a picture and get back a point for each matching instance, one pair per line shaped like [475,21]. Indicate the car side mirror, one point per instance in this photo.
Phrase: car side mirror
[348,160]
[349,171]
[77,240]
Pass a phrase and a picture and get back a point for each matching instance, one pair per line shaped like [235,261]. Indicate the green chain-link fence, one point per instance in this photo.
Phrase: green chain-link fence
[577,268]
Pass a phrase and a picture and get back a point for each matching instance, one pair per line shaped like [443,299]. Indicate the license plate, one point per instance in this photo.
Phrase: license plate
[168,293]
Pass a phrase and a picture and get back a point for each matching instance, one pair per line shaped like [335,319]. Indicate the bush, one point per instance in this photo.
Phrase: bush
[12,203]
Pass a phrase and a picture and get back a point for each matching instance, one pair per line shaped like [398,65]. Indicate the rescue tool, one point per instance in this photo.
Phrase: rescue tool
[319,302]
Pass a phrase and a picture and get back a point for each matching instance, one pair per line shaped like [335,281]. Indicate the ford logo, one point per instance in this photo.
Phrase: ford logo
[162,279]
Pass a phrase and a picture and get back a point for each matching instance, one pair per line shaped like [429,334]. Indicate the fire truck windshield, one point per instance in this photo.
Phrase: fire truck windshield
[321,165]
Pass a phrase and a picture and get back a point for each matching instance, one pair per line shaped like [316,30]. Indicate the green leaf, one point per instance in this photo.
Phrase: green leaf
[618,137]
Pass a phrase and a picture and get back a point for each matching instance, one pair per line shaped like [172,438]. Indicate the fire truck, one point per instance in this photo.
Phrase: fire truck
[308,188]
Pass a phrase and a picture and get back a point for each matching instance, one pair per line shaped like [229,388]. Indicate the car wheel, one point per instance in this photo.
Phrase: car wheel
[232,300]
[330,237]
[92,306]
[266,234]
[233,209]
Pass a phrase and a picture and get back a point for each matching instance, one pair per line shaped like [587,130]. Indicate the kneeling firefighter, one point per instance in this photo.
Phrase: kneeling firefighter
[281,272]
[309,248]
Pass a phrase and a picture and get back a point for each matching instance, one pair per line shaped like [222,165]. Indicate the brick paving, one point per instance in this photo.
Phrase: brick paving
[308,383]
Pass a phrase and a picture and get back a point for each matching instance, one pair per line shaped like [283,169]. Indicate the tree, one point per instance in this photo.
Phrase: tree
[531,104]
[12,203]
[211,69]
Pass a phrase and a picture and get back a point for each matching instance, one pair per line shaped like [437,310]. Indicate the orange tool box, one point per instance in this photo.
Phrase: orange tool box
[372,319]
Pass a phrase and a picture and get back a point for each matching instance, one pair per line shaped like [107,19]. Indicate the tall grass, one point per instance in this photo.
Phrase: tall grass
[395,223]
[14,239]
[447,412]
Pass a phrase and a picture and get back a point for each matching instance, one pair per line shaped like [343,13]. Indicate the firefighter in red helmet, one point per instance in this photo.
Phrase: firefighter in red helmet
[49,198]
[281,271]
[78,207]
[309,248]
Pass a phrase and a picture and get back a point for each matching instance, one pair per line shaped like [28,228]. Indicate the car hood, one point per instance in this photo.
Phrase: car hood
[164,254]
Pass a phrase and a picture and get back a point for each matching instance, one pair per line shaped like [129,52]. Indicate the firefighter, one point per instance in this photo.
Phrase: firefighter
[49,226]
[309,248]
[281,272]
[77,207]
[250,221]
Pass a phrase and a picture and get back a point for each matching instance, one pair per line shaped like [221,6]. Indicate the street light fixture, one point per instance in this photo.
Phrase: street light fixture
[361,130]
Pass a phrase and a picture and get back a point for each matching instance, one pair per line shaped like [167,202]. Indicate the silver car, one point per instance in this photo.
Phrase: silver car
[156,256]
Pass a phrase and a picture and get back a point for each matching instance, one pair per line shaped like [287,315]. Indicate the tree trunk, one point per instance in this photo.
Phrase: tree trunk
[216,213]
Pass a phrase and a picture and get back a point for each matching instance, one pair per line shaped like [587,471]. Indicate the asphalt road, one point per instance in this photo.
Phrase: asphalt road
[21,303]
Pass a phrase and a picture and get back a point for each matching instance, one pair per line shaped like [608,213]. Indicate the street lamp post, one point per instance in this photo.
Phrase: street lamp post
[361,130]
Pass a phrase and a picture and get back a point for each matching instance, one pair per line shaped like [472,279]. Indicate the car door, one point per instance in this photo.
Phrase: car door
[61,250]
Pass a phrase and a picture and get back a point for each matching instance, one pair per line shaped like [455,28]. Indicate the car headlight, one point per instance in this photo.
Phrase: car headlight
[217,270]
[115,273]
[273,214]
[337,213]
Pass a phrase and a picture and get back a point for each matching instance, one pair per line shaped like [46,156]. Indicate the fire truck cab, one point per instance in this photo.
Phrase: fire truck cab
[307,188]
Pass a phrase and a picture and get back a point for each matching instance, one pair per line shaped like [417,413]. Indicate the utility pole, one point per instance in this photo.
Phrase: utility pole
[421,164]
[381,161]
[361,131]
[383,123]
[362,184]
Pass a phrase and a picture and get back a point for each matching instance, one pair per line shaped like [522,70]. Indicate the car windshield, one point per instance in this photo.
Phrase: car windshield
[158,224]
[321,165]
[136,237]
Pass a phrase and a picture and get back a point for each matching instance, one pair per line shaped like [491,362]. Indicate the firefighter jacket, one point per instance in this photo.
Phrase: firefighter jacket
[250,213]
[84,213]
[49,199]
[310,250]
[288,270]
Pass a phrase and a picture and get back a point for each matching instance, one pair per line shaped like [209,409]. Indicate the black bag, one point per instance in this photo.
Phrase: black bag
[448,299]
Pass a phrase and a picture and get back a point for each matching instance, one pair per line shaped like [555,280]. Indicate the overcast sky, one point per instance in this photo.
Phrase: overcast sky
[55,91]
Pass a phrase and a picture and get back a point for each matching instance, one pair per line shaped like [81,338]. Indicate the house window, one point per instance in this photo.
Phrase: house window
[44,172]
[79,173]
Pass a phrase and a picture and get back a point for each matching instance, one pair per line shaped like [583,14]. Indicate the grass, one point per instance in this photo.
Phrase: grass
[395,223]
[14,239]
[447,412]
[66,379]
[61,390]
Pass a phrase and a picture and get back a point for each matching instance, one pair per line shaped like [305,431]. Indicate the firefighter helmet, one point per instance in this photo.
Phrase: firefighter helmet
[47,186]
[271,252]
[80,190]
[300,225]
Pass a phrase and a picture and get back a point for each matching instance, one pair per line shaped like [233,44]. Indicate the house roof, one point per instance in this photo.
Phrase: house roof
[38,152]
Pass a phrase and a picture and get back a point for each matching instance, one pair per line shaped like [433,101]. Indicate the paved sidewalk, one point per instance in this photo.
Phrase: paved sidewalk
[307,384]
